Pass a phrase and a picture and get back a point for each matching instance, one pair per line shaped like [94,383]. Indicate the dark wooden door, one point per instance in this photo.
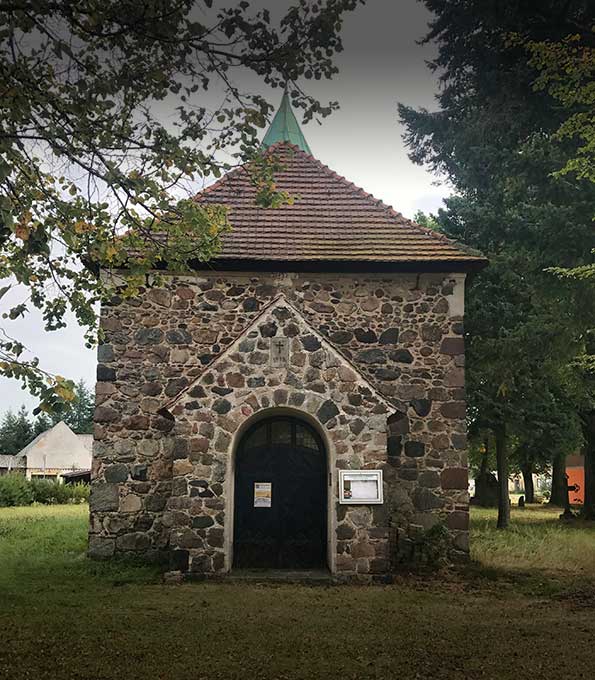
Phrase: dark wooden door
[290,534]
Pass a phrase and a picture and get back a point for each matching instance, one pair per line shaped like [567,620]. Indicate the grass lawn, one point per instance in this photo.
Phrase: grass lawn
[527,609]
[537,541]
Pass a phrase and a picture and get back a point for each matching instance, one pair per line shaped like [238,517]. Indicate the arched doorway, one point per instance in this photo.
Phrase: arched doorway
[280,496]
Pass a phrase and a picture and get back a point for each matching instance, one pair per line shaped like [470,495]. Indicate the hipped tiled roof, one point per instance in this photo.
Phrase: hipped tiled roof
[331,219]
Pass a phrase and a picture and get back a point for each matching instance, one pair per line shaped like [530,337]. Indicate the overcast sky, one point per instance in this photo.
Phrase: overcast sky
[381,65]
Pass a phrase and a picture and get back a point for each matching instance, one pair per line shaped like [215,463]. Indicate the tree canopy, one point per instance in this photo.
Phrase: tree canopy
[496,138]
[567,71]
[110,114]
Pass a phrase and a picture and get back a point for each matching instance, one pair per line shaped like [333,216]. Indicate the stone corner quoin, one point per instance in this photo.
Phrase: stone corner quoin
[375,362]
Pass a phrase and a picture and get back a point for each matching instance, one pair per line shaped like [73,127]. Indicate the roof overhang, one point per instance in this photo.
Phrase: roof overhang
[339,266]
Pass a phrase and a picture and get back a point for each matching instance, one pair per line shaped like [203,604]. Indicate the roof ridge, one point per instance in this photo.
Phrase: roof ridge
[224,179]
[41,436]
[220,180]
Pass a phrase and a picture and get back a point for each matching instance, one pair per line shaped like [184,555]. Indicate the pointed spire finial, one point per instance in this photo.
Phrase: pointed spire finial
[285,127]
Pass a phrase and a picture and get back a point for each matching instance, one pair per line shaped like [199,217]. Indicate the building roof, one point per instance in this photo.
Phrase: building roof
[285,128]
[330,219]
[8,461]
[76,474]
[22,454]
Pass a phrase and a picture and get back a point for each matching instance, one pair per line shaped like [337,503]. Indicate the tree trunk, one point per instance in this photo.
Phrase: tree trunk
[527,471]
[588,511]
[481,482]
[559,484]
[483,469]
[502,465]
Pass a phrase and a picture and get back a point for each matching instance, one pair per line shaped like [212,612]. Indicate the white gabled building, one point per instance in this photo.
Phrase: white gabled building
[55,452]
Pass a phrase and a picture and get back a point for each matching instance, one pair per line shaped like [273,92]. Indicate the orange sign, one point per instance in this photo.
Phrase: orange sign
[576,475]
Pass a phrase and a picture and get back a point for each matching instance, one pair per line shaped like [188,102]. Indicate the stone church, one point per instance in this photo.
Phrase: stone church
[297,403]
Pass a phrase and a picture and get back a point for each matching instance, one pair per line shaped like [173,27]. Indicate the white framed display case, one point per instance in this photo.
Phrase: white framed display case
[360,487]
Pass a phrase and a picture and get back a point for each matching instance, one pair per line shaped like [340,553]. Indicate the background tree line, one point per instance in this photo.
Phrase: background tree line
[18,429]
[514,136]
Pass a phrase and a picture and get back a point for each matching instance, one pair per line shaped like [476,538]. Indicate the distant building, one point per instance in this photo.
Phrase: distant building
[55,452]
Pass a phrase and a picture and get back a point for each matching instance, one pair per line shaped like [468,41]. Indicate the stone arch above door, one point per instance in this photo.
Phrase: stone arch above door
[312,377]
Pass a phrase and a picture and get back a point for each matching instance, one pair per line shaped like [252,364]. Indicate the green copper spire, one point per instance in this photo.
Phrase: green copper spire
[285,128]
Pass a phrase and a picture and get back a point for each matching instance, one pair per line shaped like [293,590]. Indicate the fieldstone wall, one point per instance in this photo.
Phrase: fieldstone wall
[315,381]
[188,352]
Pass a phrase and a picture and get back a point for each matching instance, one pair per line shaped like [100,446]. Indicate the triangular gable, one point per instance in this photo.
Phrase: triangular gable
[43,436]
[57,447]
[281,302]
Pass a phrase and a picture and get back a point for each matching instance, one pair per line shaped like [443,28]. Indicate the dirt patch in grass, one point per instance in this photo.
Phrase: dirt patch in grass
[63,617]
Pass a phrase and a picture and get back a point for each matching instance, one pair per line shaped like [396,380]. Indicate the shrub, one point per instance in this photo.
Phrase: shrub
[79,492]
[15,489]
[425,547]
[42,490]
[49,492]
[62,493]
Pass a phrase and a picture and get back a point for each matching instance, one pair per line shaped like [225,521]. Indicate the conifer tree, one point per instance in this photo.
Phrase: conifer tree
[494,138]
[16,431]
[79,415]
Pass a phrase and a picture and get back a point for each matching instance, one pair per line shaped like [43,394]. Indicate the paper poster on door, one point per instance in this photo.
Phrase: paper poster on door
[262,494]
